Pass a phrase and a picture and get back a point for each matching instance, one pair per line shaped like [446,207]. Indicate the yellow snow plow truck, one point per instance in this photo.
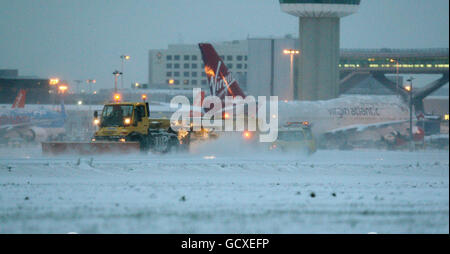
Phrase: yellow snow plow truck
[125,127]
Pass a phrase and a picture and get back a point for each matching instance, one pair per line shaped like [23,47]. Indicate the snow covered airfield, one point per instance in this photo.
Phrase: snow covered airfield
[218,192]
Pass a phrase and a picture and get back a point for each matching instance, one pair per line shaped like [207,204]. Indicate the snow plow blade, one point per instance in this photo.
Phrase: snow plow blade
[89,148]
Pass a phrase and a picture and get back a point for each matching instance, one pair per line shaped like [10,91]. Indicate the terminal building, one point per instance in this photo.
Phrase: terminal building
[10,84]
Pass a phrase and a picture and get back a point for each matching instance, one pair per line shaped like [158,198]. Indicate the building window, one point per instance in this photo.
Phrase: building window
[229,58]
[169,74]
[194,74]
[239,66]
[176,82]
[169,57]
[186,74]
[194,66]
[176,74]
[194,58]
[222,56]
[176,57]
[186,66]
[204,82]
[203,74]
[245,58]
[203,66]
[230,66]
[186,82]
[169,66]
[186,57]
[239,58]
[194,82]
[245,66]
[176,66]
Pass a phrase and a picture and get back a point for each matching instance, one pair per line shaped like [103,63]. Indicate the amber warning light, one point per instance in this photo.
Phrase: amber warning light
[117,97]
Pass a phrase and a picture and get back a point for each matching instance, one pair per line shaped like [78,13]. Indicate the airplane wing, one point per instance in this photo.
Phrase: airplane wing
[9,127]
[352,129]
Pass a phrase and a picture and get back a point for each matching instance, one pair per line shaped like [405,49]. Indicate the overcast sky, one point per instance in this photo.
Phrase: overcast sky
[84,39]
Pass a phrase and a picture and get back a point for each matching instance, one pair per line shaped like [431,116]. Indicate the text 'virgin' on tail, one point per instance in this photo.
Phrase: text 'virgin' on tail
[220,80]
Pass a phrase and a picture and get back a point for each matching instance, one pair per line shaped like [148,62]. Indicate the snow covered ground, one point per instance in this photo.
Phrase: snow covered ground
[224,192]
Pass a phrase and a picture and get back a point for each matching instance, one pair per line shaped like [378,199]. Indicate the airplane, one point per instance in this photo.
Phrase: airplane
[339,120]
[26,125]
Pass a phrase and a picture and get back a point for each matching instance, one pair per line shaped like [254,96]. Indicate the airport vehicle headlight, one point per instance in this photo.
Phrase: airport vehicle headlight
[127,121]
[96,121]
[93,140]
[122,140]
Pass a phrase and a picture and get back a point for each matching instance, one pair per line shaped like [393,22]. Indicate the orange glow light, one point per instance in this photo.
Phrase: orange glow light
[226,116]
[247,134]
[144,97]
[54,81]
[63,88]
[117,97]
[171,81]
[209,71]
[291,51]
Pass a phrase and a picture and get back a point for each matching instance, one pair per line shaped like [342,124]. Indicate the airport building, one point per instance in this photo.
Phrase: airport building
[263,68]
[10,84]
[181,67]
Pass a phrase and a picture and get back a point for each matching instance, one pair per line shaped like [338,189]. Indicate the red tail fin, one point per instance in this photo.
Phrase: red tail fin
[221,82]
[19,102]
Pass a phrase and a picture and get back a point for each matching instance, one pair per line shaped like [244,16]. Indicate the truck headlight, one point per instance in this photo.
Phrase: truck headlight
[127,121]
[96,121]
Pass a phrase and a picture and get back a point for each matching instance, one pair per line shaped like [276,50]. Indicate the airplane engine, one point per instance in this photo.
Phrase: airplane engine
[35,134]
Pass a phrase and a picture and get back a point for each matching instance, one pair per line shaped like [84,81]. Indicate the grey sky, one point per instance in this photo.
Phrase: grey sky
[83,39]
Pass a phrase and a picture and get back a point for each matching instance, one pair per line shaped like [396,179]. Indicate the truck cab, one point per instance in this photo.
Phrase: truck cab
[295,136]
[118,120]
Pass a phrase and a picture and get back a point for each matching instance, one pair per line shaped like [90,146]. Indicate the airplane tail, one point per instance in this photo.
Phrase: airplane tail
[221,81]
[19,102]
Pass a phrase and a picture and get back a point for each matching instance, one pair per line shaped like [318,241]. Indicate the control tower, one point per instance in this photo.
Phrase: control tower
[316,74]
